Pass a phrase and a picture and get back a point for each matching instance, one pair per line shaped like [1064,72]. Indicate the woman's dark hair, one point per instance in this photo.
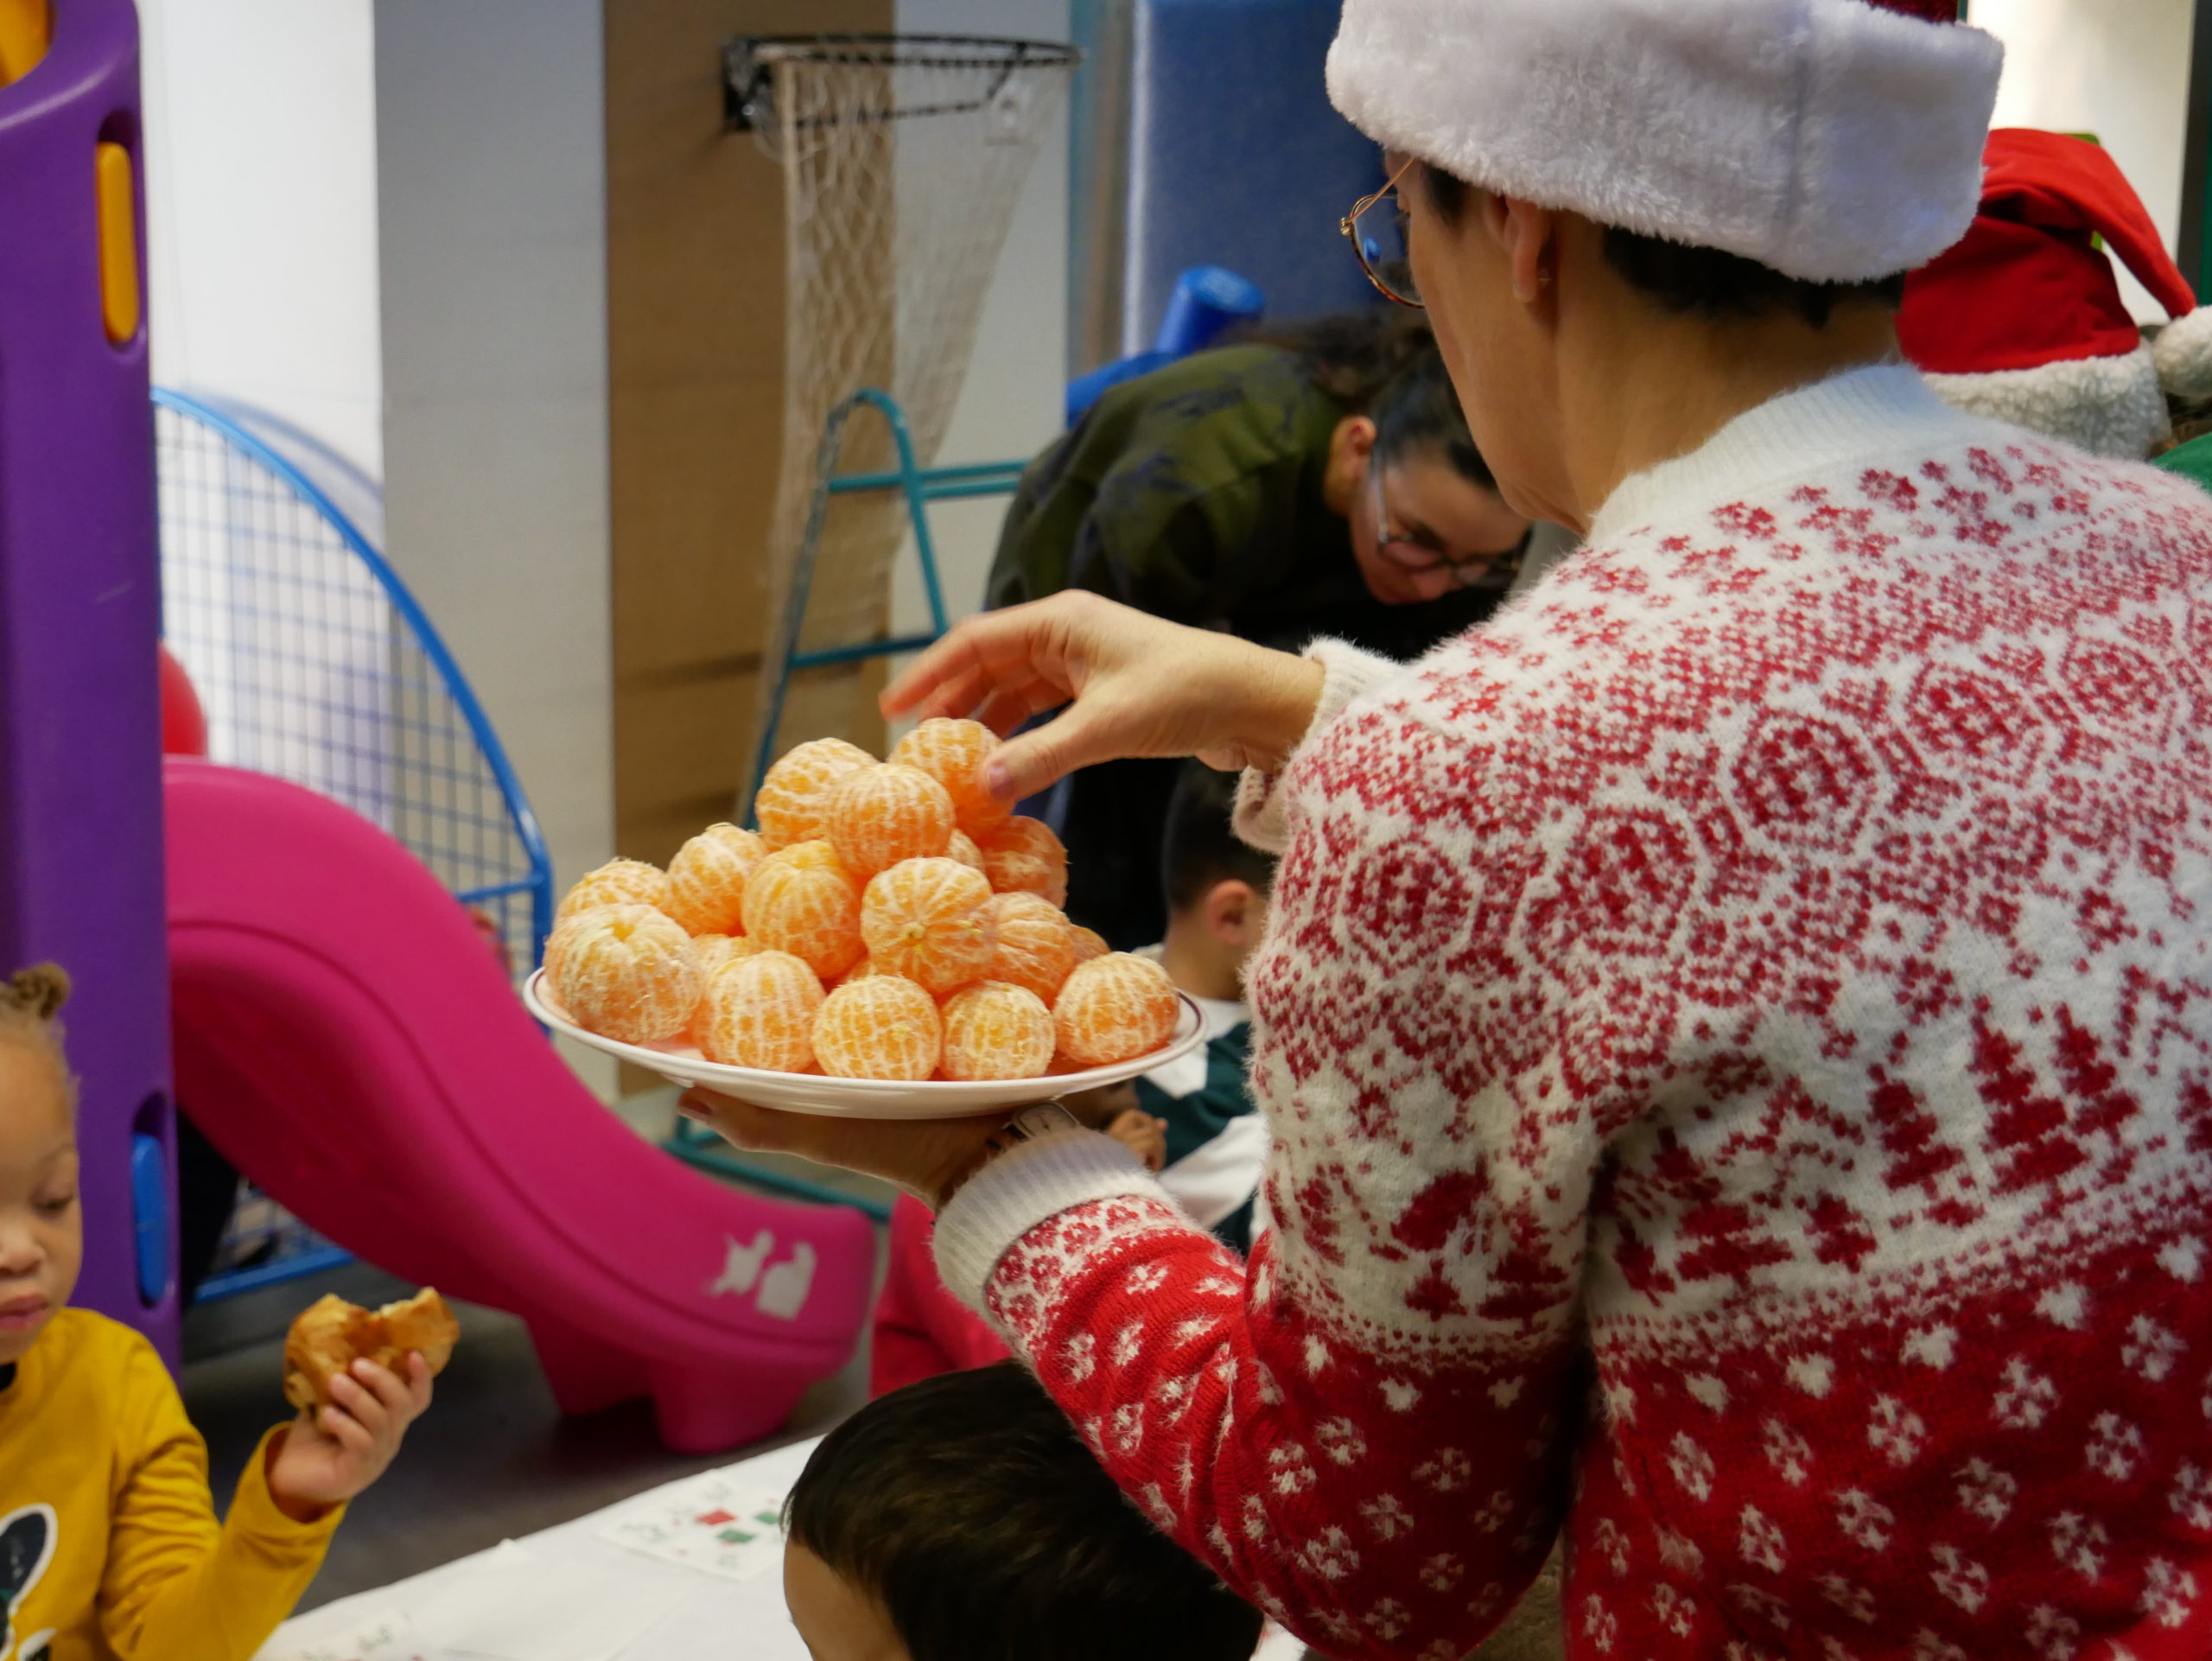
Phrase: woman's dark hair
[1352,356]
[1201,847]
[1696,282]
[970,1510]
[1384,364]
[1418,413]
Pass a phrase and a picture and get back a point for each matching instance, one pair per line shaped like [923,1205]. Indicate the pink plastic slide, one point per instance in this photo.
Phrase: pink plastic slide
[347,1040]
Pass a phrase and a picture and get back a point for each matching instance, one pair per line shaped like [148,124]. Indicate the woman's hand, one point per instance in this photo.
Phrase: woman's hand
[1136,685]
[927,1158]
[327,1457]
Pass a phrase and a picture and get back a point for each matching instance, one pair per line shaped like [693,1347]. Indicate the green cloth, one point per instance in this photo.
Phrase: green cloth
[1196,493]
[2193,460]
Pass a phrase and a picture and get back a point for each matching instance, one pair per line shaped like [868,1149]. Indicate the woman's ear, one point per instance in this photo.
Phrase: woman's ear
[1529,235]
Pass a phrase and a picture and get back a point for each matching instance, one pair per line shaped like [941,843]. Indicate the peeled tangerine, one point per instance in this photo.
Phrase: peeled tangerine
[953,754]
[793,802]
[1114,1008]
[706,880]
[1036,947]
[1024,854]
[618,883]
[997,1031]
[1089,943]
[715,952]
[880,1027]
[963,848]
[801,899]
[930,920]
[624,972]
[759,1013]
[881,815]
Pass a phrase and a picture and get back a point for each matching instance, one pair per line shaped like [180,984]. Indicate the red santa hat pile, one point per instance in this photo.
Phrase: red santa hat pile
[1832,140]
[2023,321]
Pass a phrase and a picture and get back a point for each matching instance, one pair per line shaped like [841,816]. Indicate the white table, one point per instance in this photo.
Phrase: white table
[695,1616]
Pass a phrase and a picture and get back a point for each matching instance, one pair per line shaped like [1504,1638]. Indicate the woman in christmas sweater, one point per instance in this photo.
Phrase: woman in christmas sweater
[1737,1028]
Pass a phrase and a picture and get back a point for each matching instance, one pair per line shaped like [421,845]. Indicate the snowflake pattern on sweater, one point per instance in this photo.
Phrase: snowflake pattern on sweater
[1738,1036]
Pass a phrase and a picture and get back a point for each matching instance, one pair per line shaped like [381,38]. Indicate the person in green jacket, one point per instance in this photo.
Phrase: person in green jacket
[1319,481]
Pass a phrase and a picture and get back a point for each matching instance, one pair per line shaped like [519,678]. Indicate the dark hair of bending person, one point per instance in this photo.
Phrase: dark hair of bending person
[963,1519]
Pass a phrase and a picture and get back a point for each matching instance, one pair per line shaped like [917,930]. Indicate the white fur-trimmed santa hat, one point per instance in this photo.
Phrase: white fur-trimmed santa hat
[2022,318]
[1838,141]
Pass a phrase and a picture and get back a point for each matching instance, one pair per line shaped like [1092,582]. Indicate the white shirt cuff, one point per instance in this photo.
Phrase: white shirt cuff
[1022,1188]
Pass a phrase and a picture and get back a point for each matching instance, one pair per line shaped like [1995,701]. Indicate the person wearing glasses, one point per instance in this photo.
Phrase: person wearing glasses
[1316,481]
[1736,1028]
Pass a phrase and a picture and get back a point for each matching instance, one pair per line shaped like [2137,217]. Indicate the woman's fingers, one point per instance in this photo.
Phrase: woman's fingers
[923,1157]
[1085,734]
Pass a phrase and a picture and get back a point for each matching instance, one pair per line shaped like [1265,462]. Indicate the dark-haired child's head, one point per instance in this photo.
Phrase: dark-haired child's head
[963,1519]
[1217,886]
[41,1229]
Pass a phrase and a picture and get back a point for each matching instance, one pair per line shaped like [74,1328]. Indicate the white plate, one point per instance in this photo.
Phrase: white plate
[863,1098]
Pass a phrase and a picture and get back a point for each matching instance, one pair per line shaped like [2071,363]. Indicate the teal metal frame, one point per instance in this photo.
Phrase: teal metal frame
[920,486]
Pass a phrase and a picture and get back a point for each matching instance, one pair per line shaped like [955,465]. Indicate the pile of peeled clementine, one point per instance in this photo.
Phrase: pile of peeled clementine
[888,920]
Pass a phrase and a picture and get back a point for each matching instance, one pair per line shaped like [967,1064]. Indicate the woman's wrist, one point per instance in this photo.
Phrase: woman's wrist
[1285,712]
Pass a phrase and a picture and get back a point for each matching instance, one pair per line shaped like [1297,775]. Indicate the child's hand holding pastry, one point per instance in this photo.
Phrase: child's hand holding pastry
[330,1453]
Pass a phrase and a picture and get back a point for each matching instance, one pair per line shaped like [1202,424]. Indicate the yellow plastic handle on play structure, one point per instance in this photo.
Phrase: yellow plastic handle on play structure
[119,218]
[26,30]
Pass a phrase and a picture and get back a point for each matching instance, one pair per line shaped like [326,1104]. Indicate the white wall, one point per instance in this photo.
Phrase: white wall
[493,255]
[2117,68]
[261,182]
[1011,403]
[492,228]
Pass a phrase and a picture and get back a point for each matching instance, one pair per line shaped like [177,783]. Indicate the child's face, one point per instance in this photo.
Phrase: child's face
[41,1228]
[836,1621]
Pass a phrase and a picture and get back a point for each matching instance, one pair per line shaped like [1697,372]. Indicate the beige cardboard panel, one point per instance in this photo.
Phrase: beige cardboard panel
[695,345]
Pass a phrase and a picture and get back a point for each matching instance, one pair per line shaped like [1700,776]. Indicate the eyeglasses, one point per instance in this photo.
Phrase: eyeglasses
[1476,571]
[1375,227]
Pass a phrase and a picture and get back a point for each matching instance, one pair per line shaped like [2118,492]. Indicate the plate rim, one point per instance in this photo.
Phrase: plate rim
[854,1094]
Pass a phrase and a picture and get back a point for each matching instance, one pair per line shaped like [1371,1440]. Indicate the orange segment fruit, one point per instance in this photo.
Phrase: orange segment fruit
[963,848]
[1024,854]
[1089,943]
[712,951]
[996,1031]
[881,815]
[626,972]
[880,1028]
[706,880]
[930,920]
[618,883]
[1036,946]
[801,899]
[793,803]
[1115,1008]
[953,754]
[759,1013]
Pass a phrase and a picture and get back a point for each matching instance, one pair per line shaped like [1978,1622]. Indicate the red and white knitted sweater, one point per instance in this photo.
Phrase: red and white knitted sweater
[1738,1035]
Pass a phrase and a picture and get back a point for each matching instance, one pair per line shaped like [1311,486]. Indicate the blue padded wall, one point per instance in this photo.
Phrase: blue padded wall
[1236,158]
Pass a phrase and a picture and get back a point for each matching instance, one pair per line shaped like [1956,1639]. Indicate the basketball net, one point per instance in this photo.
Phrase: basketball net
[903,158]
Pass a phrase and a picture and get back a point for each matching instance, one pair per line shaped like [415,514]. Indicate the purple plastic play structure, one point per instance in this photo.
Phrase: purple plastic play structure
[80,780]
[344,1033]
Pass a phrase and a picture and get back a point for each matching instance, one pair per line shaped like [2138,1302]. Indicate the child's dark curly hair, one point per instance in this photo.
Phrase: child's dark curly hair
[30,1014]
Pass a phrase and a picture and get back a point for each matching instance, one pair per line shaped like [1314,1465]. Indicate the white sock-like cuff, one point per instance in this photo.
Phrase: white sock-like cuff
[1349,671]
[1022,1188]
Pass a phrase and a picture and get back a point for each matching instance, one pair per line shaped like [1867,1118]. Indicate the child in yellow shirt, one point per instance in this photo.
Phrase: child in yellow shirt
[109,1545]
